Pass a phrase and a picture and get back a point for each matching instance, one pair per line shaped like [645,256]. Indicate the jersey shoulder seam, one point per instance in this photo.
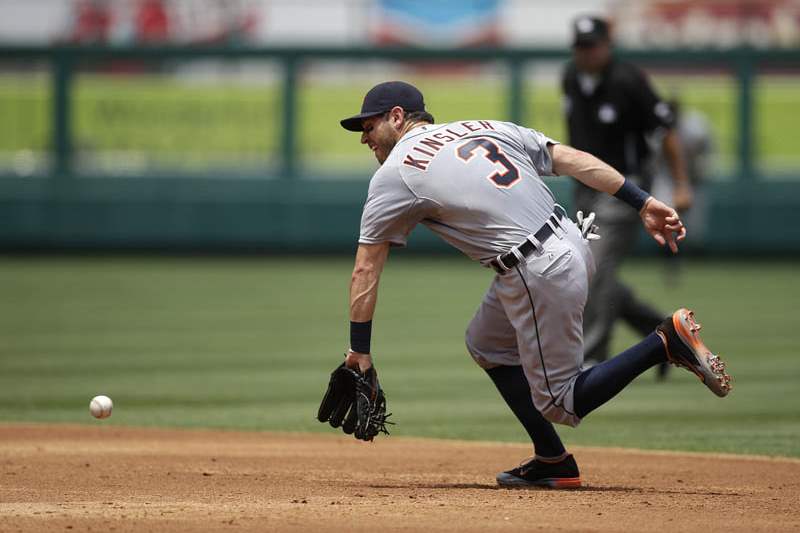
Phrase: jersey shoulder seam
[409,137]
[416,194]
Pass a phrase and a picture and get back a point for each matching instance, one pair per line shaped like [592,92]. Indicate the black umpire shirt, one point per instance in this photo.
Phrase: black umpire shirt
[610,115]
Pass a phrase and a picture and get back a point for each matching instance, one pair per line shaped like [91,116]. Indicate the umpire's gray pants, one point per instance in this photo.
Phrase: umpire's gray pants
[533,316]
[610,299]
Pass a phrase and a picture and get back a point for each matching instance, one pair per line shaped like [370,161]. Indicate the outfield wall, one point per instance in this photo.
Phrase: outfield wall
[307,216]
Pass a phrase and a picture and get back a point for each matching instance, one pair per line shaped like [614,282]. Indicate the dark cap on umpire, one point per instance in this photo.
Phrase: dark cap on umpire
[382,98]
[588,31]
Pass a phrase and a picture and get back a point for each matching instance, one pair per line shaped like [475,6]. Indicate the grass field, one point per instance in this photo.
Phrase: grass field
[164,121]
[248,343]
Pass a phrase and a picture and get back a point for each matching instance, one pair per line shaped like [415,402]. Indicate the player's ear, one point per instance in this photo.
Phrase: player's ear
[397,117]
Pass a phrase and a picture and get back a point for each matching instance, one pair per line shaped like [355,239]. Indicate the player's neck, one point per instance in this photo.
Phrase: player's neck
[410,126]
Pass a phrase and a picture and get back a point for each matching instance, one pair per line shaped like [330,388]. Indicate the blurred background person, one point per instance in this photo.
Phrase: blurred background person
[91,21]
[610,109]
[697,145]
[152,22]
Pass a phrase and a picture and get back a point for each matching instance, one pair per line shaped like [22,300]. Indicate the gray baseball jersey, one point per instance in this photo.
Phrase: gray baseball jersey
[477,184]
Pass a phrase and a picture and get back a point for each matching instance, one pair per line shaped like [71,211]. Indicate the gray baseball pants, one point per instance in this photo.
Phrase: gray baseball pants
[533,316]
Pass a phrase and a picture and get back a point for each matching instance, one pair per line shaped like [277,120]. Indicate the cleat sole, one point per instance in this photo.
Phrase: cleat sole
[511,481]
[709,368]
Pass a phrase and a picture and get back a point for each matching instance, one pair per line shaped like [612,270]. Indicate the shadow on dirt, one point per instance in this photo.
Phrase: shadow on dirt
[589,488]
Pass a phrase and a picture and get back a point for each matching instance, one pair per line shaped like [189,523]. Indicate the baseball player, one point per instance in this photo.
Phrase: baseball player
[477,184]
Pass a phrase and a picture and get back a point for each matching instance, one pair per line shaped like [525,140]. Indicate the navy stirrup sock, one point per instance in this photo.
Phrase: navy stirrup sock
[597,385]
[515,390]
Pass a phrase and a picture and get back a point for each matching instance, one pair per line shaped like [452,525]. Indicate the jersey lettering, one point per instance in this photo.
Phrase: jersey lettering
[505,178]
[433,143]
[421,164]
[430,143]
[422,151]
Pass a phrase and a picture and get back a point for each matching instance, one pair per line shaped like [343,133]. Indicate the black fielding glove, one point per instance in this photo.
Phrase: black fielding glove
[356,402]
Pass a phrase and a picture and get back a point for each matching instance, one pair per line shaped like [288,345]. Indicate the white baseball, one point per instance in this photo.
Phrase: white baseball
[101,406]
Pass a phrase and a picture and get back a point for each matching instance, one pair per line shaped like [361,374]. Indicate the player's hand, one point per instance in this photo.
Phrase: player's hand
[358,361]
[662,223]
[682,197]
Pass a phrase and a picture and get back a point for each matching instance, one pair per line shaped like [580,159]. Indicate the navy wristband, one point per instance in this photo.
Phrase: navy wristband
[360,335]
[632,195]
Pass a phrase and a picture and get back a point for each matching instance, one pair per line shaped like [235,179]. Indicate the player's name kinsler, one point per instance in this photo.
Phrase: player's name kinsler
[431,144]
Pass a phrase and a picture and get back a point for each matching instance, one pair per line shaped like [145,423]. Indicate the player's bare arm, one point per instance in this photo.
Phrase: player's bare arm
[586,168]
[671,145]
[370,259]
[660,220]
[354,399]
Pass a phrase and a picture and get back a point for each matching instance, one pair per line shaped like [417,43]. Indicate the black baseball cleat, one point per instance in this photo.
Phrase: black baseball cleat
[536,473]
[684,348]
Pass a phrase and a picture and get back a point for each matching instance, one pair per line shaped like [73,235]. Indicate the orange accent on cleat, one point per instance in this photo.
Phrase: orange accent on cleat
[563,483]
[685,349]
[535,473]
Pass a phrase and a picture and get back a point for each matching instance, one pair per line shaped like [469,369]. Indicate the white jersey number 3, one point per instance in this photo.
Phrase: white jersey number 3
[503,179]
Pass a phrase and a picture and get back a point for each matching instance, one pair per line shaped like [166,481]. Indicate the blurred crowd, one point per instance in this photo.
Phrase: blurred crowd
[158,21]
[93,21]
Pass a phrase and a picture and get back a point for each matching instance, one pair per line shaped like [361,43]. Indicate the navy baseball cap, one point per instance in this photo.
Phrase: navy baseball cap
[588,31]
[382,98]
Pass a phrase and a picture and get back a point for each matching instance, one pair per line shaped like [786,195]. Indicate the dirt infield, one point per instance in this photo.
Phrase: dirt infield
[105,478]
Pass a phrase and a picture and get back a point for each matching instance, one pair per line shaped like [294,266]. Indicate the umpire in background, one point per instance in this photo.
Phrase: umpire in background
[610,109]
